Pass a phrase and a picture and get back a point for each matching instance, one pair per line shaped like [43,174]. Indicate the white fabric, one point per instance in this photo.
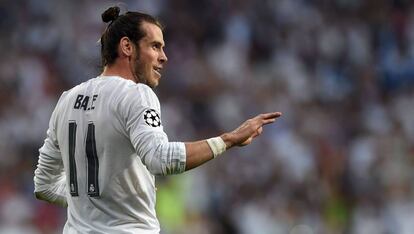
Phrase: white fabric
[217,145]
[130,148]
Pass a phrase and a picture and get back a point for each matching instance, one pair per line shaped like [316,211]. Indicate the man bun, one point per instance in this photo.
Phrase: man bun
[110,14]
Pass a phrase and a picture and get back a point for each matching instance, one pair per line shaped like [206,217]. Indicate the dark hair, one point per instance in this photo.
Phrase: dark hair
[126,25]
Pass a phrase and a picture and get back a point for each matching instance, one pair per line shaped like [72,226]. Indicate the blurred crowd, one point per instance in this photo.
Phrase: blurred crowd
[339,160]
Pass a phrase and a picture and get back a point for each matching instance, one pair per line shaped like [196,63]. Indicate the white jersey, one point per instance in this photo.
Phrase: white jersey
[104,144]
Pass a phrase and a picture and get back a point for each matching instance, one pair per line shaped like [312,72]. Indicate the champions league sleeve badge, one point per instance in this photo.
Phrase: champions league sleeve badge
[152,118]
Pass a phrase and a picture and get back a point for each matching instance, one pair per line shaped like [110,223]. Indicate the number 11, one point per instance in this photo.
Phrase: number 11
[92,164]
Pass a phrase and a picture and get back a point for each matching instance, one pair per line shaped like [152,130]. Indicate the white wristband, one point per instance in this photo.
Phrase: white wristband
[217,145]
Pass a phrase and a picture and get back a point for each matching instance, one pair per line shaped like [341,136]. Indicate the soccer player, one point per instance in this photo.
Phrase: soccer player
[106,142]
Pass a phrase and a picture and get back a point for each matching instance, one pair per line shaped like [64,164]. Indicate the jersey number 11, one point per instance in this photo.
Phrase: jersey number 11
[92,163]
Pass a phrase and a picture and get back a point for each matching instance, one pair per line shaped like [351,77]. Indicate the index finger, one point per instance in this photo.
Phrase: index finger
[271,115]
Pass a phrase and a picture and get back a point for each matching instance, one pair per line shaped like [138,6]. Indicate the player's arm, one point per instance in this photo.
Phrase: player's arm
[162,157]
[50,179]
[199,152]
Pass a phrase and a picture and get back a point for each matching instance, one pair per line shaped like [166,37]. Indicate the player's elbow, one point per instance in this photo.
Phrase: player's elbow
[41,195]
[47,196]
[161,167]
[166,160]
[174,167]
[38,195]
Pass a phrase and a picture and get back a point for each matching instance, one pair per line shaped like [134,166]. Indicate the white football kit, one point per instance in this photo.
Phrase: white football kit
[104,145]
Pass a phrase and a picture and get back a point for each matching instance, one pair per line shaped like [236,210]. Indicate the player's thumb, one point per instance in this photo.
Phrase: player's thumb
[257,132]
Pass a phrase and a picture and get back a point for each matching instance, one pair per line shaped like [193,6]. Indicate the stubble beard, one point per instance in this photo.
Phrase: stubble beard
[136,68]
[142,76]
[138,71]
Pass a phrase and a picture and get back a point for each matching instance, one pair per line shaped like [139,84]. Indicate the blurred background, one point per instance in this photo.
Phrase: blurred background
[340,160]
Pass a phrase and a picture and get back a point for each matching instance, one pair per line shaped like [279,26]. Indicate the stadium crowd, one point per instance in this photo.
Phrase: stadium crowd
[340,160]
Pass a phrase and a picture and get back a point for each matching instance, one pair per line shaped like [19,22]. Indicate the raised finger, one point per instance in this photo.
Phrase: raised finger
[271,115]
[268,121]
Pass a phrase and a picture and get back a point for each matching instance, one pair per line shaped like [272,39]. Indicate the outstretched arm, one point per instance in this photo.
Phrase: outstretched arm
[163,157]
[199,152]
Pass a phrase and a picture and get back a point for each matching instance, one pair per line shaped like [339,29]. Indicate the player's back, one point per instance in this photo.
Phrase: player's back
[111,191]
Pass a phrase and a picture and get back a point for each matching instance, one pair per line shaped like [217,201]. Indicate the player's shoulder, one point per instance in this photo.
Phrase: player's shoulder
[141,95]
[127,85]
[77,88]
[146,90]
[137,90]
[148,95]
[118,89]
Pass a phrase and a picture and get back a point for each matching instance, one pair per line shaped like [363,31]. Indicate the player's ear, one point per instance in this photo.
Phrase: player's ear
[126,46]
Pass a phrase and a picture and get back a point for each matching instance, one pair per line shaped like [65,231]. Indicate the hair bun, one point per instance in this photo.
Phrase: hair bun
[110,14]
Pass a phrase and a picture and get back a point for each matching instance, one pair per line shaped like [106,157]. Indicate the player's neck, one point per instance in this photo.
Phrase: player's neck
[118,70]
